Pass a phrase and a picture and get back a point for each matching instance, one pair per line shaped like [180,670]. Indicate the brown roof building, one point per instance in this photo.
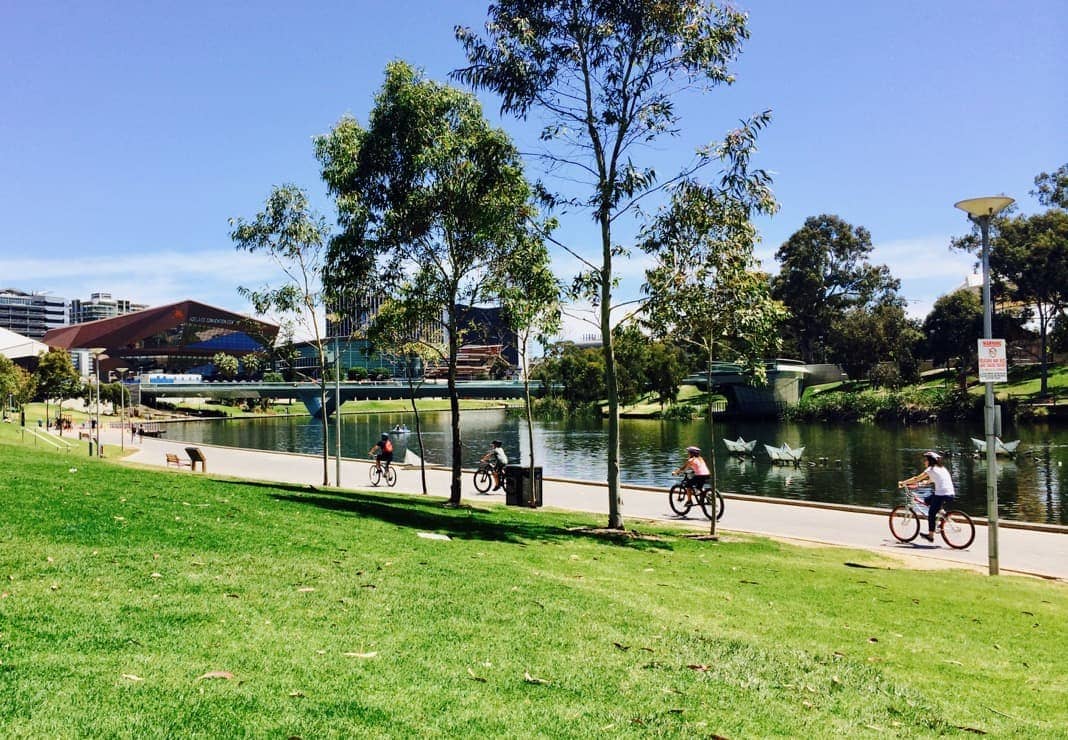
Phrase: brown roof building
[180,337]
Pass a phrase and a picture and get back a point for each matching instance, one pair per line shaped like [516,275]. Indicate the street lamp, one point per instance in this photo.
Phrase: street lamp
[122,406]
[334,318]
[98,355]
[981,211]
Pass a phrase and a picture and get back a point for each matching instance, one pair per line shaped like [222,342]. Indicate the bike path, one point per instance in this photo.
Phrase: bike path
[1041,553]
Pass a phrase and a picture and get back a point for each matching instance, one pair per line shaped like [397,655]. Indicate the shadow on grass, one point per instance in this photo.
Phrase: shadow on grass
[463,522]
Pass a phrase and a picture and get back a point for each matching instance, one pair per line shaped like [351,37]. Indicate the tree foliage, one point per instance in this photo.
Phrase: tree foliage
[225,365]
[606,77]
[952,328]
[1029,254]
[824,273]
[1051,188]
[431,201]
[294,237]
[15,383]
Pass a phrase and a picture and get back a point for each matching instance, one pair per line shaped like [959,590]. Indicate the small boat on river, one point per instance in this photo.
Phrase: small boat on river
[740,446]
[399,429]
[1000,448]
[785,455]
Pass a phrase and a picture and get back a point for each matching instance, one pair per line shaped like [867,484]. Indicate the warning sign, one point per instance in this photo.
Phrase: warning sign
[993,364]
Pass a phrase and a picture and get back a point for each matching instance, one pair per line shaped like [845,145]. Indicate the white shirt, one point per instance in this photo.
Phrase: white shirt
[498,452]
[943,483]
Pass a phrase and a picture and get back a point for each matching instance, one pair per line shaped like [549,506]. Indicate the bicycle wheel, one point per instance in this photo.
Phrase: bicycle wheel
[483,480]
[679,500]
[957,529]
[391,476]
[376,475]
[706,504]
[903,524]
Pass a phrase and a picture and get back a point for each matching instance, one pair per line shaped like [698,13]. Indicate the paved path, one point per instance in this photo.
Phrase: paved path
[1042,553]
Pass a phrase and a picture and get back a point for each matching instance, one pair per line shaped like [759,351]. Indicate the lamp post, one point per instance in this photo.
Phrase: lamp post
[334,318]
[98,355]
[981,211]
[122,406]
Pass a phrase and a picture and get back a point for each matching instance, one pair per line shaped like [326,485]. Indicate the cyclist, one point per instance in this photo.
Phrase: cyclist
[937,474]
[696,464]
[382,452]
[497,458]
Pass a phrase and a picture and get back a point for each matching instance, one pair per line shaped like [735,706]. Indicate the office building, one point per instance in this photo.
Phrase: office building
[31,314]
[101,306]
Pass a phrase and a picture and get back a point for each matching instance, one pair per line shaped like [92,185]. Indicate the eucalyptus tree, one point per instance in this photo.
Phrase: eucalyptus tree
[294,237]
[605,78]
[56,377]
[400,327]
[430,196]
[530,296]
[1029,255]
[825,272]
[1051,188]
[705,289]
[951,329]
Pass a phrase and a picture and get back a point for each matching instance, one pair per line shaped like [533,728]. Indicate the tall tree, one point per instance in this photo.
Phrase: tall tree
[1029,254]
[606,77]
[399,328]
[824,272]
[705,290]
[431,196]
[878,338]
[530,296]
[295,237]
[952,327]
[56,377]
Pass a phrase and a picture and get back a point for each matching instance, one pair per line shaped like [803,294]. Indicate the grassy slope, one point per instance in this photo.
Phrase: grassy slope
[122,586]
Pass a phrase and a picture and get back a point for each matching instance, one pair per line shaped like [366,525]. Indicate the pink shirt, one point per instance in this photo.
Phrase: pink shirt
[699,466]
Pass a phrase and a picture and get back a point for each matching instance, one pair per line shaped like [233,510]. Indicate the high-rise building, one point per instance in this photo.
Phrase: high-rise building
[101,306]
[31,314]
[354,315]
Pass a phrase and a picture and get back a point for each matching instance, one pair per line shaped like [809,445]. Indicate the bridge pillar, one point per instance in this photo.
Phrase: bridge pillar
[314,404]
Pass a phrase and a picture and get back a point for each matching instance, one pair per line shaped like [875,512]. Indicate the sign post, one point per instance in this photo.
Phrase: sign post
[993,363]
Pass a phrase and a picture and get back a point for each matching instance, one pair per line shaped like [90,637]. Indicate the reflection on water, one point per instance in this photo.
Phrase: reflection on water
[857,464]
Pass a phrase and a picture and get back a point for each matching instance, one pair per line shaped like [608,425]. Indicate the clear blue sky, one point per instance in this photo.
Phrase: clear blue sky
[130,132]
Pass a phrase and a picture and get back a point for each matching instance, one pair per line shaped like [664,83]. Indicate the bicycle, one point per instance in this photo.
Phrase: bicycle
[682,497]
[956,527]
[377,473]
[484,477]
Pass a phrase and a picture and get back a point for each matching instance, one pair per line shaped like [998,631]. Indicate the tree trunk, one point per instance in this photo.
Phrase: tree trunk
[418,428]
[454,410]
[1042,332]
[615,515]
[711,444]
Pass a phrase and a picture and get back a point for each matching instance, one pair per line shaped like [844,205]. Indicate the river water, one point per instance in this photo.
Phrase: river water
[853,464]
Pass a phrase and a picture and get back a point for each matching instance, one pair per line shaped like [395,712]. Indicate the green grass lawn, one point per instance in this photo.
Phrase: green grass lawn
[142,603]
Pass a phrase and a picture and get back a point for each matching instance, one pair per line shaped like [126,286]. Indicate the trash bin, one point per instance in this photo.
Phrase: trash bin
[520,487]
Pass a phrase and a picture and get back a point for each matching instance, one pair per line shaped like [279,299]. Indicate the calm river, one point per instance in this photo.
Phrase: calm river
[863,462]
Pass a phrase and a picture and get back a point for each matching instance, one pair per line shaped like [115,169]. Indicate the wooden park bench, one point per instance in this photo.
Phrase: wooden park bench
[173,459]
[197,456]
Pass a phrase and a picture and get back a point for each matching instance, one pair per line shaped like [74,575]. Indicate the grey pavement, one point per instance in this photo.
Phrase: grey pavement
[1022,550]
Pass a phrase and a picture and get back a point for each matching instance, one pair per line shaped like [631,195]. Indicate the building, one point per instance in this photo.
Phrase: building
[351,317]
[31,314]
[177,338]
[101,306]
[23,350]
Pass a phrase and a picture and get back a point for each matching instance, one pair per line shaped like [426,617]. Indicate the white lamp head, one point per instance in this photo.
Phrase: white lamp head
[990,205]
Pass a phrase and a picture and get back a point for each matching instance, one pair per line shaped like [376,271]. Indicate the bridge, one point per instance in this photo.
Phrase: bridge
[787,380]
[308,392]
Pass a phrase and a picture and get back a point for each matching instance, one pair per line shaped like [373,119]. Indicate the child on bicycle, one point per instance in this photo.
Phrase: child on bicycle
[382,452]
[497,458]
[937,474]
[698,467]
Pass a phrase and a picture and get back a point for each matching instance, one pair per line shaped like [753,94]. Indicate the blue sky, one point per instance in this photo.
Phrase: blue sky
[131,132]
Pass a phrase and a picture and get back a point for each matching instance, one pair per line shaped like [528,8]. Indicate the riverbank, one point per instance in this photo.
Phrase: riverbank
[197,602]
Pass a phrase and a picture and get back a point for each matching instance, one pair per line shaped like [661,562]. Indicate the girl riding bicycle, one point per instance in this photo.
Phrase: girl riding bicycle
[699,468]
[944,493]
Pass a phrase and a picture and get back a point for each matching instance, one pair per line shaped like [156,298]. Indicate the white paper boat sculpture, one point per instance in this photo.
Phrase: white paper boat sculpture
[785,454]
[1000,448]
[740,446]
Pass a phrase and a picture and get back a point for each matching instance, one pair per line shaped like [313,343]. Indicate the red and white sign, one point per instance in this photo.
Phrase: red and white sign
[993,364]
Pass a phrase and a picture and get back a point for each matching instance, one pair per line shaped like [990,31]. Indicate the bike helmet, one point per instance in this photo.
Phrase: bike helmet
[933,455]
[694,450]
[385,436]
